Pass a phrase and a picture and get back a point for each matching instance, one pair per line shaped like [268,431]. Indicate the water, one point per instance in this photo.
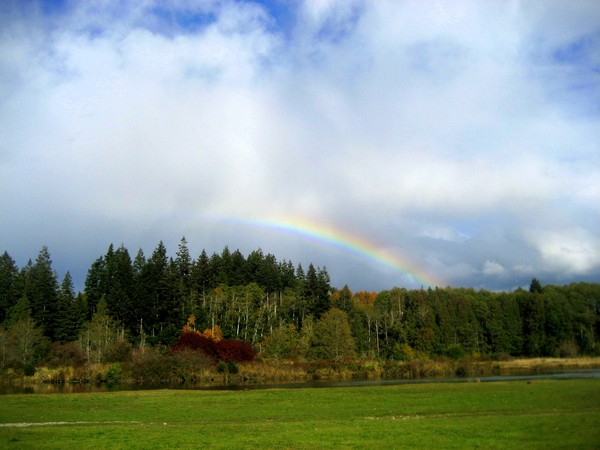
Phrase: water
[87,388]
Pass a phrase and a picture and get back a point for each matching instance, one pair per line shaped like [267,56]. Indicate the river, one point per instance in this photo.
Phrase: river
[69,388]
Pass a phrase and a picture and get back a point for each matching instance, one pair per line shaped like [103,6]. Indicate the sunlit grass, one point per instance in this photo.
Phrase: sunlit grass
[545,414]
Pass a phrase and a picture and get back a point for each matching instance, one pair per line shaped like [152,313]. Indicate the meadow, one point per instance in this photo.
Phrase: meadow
[515,414]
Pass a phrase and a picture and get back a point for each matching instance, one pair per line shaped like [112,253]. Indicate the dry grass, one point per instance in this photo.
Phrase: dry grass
[540,364]
[282,370]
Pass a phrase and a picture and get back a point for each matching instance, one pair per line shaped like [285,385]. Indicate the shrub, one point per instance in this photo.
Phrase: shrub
[567,350]
[113,374]
[118,351]
[232,367]
[68,354]
[149,366]
[187,364]
[403,352]
[455,351]
[195,341]
[29,370]
[234,350]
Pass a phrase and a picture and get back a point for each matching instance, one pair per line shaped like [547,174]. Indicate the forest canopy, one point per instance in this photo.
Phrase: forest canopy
[283,310]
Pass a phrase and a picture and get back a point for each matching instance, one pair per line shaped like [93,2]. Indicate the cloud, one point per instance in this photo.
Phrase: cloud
[575,251]
[458,135]
[493,268]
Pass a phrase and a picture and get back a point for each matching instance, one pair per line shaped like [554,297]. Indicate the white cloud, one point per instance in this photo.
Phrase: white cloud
[393,119]
[493,268]
[575,251]
[444,233]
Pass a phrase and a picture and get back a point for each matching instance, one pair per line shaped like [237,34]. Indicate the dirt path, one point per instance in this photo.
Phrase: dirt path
[53,424]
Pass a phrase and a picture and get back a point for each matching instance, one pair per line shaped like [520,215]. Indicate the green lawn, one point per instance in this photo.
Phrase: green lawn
[546,414]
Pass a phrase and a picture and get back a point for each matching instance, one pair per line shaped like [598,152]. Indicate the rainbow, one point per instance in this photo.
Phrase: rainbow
[334,237]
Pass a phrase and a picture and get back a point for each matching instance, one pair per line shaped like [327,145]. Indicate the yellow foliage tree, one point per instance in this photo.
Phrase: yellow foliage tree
[213,333]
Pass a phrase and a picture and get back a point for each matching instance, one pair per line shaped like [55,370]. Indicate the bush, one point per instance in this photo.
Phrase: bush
[113,374]
[118,351]
[68,354]
[187,364]
[403,352]
[234,350]
[149,366]
[232,367]
[567,350]
[195,341]
[455,351]
[29,370]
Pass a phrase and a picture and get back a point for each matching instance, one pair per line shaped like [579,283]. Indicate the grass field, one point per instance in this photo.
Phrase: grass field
[545,414]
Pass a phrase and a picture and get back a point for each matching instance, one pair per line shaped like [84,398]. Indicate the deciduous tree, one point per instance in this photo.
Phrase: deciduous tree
[332,338]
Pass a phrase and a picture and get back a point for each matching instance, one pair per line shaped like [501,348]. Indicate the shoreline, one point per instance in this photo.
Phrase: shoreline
[297,371]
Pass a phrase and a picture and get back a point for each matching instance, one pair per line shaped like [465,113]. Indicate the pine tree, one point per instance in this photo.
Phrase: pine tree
[67,320]
[44,294]
[8,285]
[535,287]
[163,312]
[118,286]
[94,285]
[202,274]
[316,291]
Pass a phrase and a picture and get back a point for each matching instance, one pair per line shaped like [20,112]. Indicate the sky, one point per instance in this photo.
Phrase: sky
[396,143]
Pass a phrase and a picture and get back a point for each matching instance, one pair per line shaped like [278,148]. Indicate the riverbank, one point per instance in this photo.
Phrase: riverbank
[291,371]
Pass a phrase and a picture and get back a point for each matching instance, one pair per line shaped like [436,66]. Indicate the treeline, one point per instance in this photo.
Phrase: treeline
[277,307]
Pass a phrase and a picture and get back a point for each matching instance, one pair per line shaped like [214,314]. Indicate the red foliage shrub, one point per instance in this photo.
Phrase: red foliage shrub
[234,350]
[195,341]
[225,350]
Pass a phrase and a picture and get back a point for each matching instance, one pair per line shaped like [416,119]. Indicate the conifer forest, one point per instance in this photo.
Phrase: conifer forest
[280,309]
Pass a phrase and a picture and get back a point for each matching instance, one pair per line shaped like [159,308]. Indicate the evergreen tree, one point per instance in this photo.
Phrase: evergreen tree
[24,283]
[535,287]
[203,278]
[94,285]
[44,293]
[9,273]
[19,311]
[238,273]
[270,274]
[222,266]
[138,263]
[287,275]
[67,321]
[119,286]
[160,310]
[140,314]
[316,291]
[183,263]
[182,273]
